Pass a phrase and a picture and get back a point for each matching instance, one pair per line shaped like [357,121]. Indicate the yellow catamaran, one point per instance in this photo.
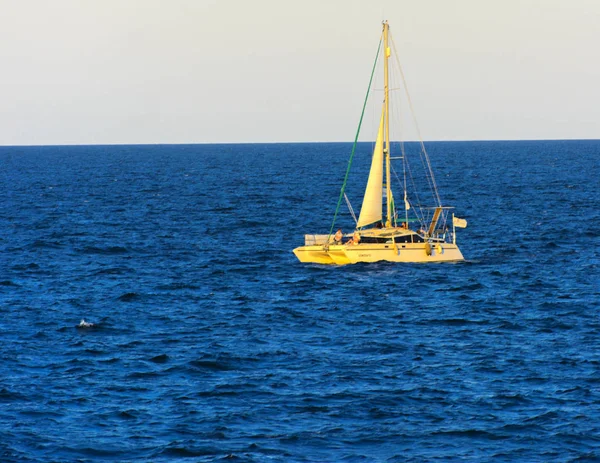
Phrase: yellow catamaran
[396,239]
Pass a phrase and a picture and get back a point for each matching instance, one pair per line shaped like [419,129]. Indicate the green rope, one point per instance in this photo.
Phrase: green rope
[337,209]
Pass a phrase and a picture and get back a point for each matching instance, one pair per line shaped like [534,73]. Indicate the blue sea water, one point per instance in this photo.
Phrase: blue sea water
[211,342]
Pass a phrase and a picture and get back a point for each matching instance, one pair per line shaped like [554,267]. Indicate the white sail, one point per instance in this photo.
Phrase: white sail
[370,211]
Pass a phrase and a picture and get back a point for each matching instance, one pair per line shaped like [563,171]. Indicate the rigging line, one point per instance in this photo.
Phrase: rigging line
[350,208]
[342,191]
[423,156]
[413,184]
[415,122]
[426,170]
[418,213]
[375,105]
[412,206]
[396,123]
[422,153]
[398,114]
[416,208]
[416,192]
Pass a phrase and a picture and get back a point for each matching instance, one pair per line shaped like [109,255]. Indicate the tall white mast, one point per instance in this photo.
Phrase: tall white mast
[386,149]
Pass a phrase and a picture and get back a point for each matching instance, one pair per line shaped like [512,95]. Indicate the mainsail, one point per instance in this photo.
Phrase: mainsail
[370,211]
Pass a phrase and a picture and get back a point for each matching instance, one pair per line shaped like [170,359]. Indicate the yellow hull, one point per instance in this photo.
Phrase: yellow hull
[313,254]
[355,253]
[338,254]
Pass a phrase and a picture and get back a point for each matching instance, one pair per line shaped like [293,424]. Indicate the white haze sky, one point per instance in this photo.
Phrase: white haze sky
[201,71]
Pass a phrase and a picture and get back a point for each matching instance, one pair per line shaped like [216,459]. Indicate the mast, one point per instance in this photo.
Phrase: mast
[386,149]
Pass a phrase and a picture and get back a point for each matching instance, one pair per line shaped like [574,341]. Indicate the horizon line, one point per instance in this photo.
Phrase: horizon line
[295,142]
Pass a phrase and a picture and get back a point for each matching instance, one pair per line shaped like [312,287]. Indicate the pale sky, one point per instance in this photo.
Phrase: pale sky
[200,71]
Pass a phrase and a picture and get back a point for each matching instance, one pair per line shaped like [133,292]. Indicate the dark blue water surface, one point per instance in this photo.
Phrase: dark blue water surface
[211,342]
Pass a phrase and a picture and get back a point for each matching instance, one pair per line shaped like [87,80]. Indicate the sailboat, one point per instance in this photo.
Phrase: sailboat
[415,232]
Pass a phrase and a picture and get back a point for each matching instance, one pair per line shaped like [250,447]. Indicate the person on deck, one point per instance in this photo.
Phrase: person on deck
[337,239]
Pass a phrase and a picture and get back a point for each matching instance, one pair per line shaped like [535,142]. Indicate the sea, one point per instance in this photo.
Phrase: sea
[152,310]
